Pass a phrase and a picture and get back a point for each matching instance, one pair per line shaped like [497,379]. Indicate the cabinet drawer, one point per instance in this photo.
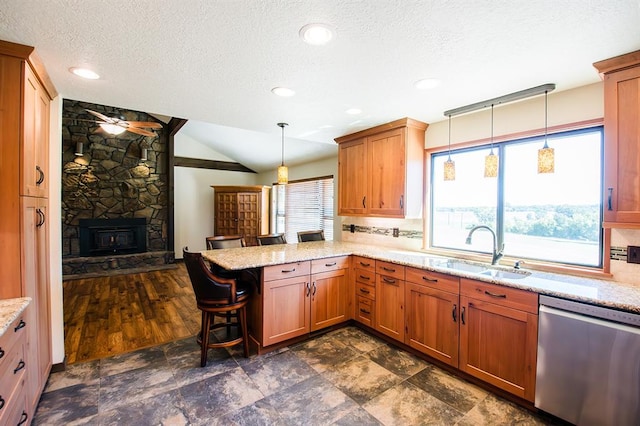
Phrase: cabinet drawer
[433,279]
[12,374]
[364,311]
[286,270]
[365,290]
[329,264]
[500,295]
[17,330]
[14,411]
[390,269]
[365,277]
[364,263]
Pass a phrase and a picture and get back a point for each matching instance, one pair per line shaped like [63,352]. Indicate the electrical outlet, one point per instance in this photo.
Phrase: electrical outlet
[633,254]
[352,228]
[396,232]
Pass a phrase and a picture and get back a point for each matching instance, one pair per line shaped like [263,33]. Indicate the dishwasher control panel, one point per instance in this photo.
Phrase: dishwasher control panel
[609,314]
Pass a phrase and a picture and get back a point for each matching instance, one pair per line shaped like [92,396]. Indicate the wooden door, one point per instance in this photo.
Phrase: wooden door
[35,147]
[352,177]
[622,147]
[387,158]
[286,309]
[249,218]
[328,298]
[226,213]
[432,322]
[389,316]
[498,345]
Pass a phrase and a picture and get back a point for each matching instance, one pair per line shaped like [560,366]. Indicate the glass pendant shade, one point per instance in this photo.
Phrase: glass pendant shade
[491,165]
[449,170]
[283,175]
[546,159]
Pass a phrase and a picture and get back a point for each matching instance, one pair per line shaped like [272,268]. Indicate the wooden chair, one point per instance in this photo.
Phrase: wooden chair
[270,239]
[217,296]
[310,236]
[225,241]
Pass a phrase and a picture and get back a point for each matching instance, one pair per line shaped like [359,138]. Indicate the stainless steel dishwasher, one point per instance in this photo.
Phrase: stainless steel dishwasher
[588,363]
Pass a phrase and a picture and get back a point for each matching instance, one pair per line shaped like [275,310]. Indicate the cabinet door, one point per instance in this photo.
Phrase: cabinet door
[226,212]
[389,317]
[352,178]
[328,298]
[35,148]
[36,285]
[387,158]
[286,309]
[622,146]
[432,322]
[249,218]
[498,345]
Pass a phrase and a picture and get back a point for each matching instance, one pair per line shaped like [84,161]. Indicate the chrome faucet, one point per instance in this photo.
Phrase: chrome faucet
[497,254]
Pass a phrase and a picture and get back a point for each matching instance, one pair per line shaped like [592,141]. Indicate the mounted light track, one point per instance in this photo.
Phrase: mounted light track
[511,97]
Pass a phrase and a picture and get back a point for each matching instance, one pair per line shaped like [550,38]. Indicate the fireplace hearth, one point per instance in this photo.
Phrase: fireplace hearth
[100,237]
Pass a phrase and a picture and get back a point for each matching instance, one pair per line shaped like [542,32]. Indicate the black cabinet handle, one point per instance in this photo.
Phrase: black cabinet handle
[431,280]
[364,311]
[20,325]
[40,175]
[23,419]
[364,204]
[365,264]
[308,289]
[402,201]
[20,366]
[500,296]
[454,313]
[364,278]
[314,288]
[609,199]
[388,269]
[41,218]
[362,290]
[285,271]
[388,280]
[330,264]
[462,316]
[1,353]
[2,401]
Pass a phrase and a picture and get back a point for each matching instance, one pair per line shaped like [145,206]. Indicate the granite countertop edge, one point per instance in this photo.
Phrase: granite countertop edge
[589,290]
[10,309]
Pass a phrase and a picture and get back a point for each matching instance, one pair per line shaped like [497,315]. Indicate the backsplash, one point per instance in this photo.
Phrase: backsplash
[621,270]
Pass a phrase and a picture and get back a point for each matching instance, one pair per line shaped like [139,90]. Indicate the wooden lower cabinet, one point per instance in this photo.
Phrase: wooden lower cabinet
[328,298]
[432,322]
[498,339]
[389,312]
[286,309]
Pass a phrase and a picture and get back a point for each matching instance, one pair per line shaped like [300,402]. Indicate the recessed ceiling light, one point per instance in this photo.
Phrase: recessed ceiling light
[353,111]
[427,83]
[282,91]
[316,34]
[84,73]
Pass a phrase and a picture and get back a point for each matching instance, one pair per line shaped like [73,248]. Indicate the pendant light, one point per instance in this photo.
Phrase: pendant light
[545,154]
[283,171]
[491,160]
[449,165]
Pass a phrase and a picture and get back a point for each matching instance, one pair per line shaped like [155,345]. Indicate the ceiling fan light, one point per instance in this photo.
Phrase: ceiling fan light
[112,128]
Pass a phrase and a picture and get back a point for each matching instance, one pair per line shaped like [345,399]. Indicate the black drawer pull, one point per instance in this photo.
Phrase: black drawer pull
[609,205]
[23,419]
[20,325]
[40,175]
[462,316]
[388,280]
[362,290]
[20,366]
[455,313]
[431,280]
[388,269]
[330,264]
[364,278]
[284,271]
[366,265]
[2,401]
[501,296]
[1,352]
[364,311]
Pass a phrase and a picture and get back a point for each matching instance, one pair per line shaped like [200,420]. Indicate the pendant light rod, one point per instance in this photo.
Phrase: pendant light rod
[511,97]
[281,125]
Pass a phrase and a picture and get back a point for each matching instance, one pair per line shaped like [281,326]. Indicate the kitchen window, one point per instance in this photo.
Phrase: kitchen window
[305,206]
[553,217]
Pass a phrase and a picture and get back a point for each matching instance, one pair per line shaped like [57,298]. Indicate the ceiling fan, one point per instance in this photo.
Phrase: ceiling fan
[116,126]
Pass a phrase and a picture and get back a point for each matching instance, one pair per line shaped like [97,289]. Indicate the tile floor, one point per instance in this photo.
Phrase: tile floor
[345,377]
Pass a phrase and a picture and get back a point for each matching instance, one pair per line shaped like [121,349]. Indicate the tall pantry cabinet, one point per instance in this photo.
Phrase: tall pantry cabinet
[25,95]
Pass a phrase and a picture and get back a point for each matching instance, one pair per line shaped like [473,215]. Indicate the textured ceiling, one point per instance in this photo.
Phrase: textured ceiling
[216,61]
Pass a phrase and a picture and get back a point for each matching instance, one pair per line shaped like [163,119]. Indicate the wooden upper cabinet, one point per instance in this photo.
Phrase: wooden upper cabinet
[380,170]
[622,140]
[35,146]
[242,210]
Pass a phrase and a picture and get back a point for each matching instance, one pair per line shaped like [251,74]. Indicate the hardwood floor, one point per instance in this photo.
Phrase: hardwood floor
[111,315]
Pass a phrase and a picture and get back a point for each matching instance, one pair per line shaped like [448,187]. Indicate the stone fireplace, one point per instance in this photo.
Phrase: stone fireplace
[114,195]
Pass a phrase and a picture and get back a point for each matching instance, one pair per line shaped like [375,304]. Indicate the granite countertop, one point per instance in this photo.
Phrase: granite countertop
[10,309]
[601,292]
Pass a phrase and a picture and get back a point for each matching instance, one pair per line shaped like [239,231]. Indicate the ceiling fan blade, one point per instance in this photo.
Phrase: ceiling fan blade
[140,131]
[147,124]
[101,116]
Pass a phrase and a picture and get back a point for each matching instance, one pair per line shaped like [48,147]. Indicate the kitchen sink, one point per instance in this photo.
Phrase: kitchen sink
[510,275]
[460,266]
